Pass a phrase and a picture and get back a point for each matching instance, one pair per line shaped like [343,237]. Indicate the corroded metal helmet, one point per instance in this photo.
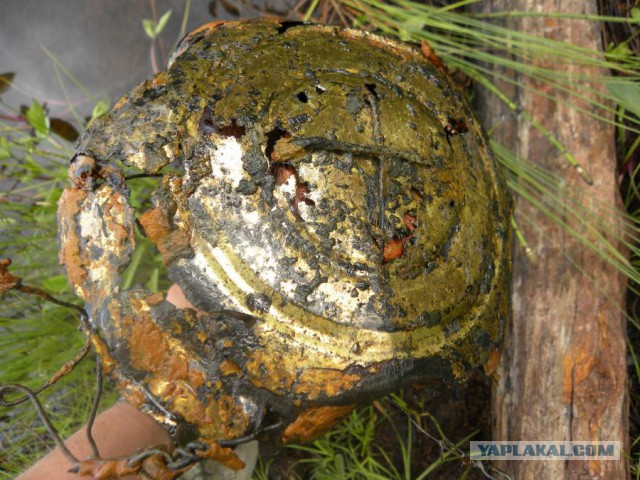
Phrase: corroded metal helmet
[328,204]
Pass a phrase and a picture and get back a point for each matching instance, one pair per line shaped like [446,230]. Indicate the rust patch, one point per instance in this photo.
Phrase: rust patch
[222,418]
[429,53]
[105,469]
[282,173]
[491,365]
[455,127]
[410,221]
[225,456]
[115,209]
[69,206]
[314,422]
[229,367]
[154,299]
[154,466]
[160,80]
[151,352]
[132,394]
[102,351]
[281,377]
[175,378]
[577,365]
[302,188]
[319,382]
[285,150]
[206,28]
[270,372]
[81,170]
[158,227]
[121,103]
[393,249]
[7,280]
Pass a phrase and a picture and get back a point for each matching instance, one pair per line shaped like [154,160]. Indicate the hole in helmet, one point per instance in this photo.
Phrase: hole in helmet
[284,26]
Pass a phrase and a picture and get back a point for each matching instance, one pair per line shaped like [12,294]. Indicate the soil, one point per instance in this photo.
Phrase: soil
[459,410]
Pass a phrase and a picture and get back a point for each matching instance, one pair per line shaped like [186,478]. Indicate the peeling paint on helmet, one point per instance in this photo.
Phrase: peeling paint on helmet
[337,235]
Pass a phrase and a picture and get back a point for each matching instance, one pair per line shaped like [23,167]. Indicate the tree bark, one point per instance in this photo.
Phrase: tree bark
[563,371]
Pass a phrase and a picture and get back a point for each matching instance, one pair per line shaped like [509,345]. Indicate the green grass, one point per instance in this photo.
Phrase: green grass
[37,338]
[359,448]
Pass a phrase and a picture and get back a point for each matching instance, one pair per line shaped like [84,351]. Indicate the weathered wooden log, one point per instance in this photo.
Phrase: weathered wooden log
[563,372]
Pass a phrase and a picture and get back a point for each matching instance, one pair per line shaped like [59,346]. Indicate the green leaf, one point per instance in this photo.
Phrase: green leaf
[56,284]
[635,14]
[5,152]
[6,79]
[53,196]
[149,28]
[31,165]
[619,52]
[409,28]
[360,21]
[627,95]
[162,22]
[38,120]
[100,109]
[154,29]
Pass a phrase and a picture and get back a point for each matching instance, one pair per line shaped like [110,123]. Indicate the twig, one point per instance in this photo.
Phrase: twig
[94,410]
[447,445]
[143,175]
[84,317]
[11,282]
[41,414]
[152,49]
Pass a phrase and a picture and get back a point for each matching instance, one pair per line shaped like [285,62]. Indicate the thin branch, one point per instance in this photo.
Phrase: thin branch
[94,410]
[41,414]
